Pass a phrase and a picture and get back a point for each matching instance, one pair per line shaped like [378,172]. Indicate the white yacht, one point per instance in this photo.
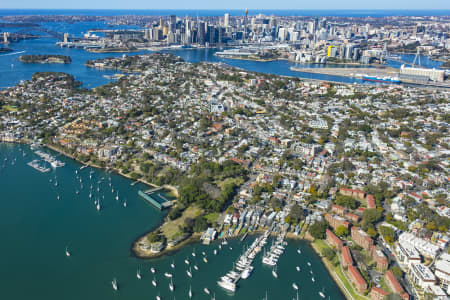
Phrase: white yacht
[247,272]
[153,270]
[67,252]
[205,260]
[172,265]
[206,291]
[190,292]
[322,293]
[312,279]
[227,284]
[298,268]
[138,274]
[168,275]
[195,267]
[114,284]
[274,272]
[171,287]
[295,286]
[188,272]
[154,281]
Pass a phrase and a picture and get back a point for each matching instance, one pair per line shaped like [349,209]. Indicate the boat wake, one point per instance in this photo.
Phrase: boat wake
[14,53]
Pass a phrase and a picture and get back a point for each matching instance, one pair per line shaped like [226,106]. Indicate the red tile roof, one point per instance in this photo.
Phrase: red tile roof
[347,256]
[356,275]
[393,282]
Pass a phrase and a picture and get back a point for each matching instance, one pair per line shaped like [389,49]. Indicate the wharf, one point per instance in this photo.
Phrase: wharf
[160,202]
[350,72]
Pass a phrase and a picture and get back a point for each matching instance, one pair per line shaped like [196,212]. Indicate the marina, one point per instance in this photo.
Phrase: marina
[35,165]
[50,159]
[67,249]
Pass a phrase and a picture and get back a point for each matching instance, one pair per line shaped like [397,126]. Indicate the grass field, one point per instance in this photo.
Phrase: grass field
[171,228]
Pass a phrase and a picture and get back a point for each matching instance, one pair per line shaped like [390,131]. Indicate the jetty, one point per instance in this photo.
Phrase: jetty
[35,165]
[243,268]
[156,199]
[50,159]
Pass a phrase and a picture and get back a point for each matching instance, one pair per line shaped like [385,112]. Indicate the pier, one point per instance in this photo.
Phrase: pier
[157,200]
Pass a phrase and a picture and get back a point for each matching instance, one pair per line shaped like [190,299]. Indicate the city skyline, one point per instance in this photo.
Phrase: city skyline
[231,5]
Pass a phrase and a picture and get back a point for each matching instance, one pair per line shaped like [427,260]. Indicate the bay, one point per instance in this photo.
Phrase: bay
[36,227]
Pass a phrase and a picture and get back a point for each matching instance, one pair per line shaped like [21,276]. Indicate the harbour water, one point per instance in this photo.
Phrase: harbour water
[12,70]
[36,227]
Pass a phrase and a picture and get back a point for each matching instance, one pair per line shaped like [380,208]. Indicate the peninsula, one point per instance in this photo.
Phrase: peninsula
[362,170]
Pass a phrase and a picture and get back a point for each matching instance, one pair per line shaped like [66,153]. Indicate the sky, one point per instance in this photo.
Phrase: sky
[228,4]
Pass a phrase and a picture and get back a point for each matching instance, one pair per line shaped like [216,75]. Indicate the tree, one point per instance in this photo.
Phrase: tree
[387,233]
[200,224]
[346,201]
[370,217]
[155,236]
[175,213]
[372,232]
[317,230]
[328,253]
[397,271]
[296,214]
[341,231]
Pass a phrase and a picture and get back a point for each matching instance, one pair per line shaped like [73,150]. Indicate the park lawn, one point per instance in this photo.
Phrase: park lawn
[321,244]
[171,228]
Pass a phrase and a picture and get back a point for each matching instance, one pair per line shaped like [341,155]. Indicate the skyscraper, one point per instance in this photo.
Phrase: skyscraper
[173,23]
[226,21]
[245,25]
[201,33]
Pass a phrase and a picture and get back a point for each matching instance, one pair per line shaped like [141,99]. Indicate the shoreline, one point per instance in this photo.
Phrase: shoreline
[331,272]
[194,238]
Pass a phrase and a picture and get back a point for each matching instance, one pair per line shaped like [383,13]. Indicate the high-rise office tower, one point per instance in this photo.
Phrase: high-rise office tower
[187,31]
[173,23]
[226,20]
[245,24]
[201,33]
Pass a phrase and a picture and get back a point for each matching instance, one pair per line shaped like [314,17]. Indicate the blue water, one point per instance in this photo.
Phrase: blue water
[12,70]
[36,228]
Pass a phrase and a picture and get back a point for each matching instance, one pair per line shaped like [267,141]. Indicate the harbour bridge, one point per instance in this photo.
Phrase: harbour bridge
[38,29]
